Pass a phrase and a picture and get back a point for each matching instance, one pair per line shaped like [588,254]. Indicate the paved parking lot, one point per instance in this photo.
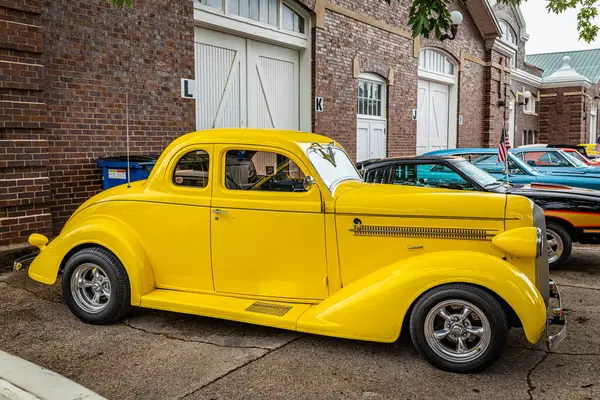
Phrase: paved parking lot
[156,355]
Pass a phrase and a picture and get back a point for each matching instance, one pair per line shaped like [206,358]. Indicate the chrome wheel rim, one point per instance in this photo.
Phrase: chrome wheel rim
[90,288]
[555,246]
[457,331]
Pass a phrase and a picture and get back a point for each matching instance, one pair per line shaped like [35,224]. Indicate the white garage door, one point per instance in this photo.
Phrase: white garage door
[432,117]
[245,83]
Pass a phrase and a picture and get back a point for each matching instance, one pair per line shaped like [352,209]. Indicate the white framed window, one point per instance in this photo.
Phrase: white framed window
[434,61]
[267,13]
[371,96]
[529,108]
[507,33]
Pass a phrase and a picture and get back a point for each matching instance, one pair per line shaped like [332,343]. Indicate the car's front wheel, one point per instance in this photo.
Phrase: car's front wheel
[560,245]
[95,286]
[458,327]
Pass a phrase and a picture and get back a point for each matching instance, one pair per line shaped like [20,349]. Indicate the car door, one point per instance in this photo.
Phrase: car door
[174,225]
[267,231]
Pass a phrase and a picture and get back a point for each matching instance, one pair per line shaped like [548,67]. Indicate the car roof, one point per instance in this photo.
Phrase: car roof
[463,150]
[535,149]
[273,137]
[378,162]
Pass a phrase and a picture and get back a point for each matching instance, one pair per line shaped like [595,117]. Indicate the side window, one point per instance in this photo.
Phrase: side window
[489,163]
[192,170]
[431,175]
[262,171]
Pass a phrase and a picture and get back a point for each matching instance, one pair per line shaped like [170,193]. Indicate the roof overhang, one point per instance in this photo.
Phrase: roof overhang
[484,18]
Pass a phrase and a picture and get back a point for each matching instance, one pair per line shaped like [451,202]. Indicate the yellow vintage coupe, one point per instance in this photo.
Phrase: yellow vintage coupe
[277,228]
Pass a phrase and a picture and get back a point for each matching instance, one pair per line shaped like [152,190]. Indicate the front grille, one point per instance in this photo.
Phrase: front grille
[542,270]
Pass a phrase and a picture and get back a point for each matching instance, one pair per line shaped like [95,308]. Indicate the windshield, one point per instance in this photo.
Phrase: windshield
[332,164]
[481,177]
[574,159]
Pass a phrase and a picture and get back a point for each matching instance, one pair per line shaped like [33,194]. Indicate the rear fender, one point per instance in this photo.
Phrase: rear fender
[103,231]
[373,307]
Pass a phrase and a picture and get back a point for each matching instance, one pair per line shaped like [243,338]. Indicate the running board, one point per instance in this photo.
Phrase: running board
[269,313]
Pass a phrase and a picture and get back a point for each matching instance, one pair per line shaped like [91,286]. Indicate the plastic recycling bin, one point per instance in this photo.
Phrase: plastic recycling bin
[114,169]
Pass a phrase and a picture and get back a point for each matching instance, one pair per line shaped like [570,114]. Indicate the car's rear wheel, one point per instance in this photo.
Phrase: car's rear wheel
[95,286]
[560,244]
[459,328]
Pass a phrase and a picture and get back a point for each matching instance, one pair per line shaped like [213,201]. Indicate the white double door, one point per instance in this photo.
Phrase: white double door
[370,139]
[432,116]
[245,83]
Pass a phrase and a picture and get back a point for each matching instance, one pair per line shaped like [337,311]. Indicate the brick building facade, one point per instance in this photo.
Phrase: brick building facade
[67,68]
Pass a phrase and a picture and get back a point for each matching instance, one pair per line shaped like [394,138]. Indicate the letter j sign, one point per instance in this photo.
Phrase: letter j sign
[318,104]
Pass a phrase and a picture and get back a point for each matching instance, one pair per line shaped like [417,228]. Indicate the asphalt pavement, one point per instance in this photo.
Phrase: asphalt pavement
[161,355]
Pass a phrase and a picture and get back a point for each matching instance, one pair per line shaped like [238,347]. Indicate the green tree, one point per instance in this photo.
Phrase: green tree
[431,18]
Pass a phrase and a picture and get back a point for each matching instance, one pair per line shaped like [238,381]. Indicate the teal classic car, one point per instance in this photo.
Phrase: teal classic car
[520,172]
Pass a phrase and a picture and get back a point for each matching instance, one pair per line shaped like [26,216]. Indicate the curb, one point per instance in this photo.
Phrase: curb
[22,380]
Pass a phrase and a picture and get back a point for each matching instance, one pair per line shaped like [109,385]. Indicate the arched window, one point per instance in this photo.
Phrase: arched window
[431,60]
[371,95]
[507,32]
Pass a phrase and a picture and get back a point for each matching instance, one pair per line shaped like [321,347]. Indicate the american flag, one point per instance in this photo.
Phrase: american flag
[598,144]
[503,146]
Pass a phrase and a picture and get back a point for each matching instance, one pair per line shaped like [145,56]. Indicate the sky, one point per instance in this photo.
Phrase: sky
[550,33]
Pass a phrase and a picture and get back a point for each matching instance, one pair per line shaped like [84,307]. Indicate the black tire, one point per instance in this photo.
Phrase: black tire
[554,228]
[92,259]
[485,302]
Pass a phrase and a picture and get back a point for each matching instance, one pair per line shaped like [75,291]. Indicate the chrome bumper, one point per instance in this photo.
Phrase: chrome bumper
[556,318]
[24,261]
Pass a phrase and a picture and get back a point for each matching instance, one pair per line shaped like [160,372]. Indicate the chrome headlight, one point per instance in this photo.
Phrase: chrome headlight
[539,242]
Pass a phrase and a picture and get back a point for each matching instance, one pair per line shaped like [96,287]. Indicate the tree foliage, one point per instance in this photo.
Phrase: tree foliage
[431,18]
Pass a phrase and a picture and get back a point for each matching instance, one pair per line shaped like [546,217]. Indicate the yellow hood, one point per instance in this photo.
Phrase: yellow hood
[378,199]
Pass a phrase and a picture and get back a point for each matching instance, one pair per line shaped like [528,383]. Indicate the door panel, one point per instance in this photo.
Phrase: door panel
[370,139]
[438,117]
[220,80]
[422,117]
[269,244]
[362,140]
[273,80]
[432,116]
[242,82]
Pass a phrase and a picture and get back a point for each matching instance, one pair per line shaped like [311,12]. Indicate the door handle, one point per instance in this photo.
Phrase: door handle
[218,211]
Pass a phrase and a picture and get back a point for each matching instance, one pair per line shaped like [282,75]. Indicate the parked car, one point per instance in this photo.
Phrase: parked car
[518,171]
[572,214]
[581,157]
[285,233]
[591,151]
[554,161]
[577,147]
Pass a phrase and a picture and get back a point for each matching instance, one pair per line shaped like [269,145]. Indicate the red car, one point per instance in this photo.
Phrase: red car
[581,157]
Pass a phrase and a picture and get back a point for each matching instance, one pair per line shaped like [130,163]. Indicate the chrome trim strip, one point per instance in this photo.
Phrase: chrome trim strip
[423,232]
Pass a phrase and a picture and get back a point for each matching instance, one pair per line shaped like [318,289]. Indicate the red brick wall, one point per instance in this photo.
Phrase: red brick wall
[24,182]
[94,55]
[525,122]
[561,117]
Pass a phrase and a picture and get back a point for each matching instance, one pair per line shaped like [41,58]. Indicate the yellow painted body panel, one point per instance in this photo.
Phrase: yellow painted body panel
[230,308]
[348,263]
[373,307]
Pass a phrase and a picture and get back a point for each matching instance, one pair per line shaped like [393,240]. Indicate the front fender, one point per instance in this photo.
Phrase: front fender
[373,307]
[104,231]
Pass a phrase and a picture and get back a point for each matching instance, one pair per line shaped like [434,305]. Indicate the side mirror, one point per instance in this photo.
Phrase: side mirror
[309,182]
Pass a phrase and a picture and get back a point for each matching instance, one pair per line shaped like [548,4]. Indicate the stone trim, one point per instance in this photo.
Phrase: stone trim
[362,18]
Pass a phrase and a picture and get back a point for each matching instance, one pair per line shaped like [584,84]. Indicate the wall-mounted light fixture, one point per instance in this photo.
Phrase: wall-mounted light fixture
[457,19]
[526,97]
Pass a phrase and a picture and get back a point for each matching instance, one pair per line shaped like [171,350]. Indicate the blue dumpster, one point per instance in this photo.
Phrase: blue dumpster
[114,169]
